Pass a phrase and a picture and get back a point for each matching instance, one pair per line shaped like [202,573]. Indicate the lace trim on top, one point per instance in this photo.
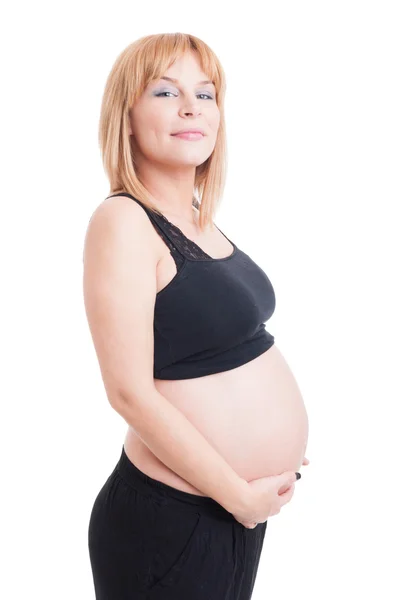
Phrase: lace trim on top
[178,257]
[186,246]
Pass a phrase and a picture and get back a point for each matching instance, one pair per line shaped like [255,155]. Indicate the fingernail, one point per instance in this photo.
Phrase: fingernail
[298,475]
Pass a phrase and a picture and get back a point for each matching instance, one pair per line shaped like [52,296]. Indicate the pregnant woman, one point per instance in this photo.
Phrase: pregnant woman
[217,427]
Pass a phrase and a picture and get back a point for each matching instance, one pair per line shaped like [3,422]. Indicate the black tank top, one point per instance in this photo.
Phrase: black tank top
[211,316]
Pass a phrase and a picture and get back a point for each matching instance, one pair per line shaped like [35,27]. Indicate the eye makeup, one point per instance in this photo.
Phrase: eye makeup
[158,93]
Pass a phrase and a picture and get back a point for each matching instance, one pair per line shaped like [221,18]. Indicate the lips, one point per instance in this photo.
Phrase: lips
[189,131]
[189,136]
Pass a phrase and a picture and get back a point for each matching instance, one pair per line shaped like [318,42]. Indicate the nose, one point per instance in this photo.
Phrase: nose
[193,109]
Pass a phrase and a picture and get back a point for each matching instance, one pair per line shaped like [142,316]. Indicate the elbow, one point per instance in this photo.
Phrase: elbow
[132,406]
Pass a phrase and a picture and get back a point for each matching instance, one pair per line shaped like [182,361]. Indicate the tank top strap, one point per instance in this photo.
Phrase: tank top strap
[175,239]
[158,221]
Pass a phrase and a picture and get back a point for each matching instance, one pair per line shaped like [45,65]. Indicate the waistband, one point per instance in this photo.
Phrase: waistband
[165,493]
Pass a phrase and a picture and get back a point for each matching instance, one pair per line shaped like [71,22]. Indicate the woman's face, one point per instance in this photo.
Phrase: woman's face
[166,107]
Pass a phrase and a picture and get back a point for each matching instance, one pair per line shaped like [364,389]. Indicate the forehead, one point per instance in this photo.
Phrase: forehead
[187,64]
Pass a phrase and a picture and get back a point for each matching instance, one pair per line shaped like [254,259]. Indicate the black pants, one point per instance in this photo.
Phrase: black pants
[150,541]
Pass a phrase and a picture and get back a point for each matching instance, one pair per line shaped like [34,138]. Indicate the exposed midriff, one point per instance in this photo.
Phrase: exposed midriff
[254,416]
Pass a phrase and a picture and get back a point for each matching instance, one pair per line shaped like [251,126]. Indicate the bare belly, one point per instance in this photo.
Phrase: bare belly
[254,416]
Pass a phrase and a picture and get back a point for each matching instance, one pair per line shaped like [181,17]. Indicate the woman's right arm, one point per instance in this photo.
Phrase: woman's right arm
[119,284]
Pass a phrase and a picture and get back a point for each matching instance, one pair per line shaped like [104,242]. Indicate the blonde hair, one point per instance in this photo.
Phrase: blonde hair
[145,60]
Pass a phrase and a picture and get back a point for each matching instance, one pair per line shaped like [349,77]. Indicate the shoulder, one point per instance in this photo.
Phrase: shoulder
[120,208]
[119,221]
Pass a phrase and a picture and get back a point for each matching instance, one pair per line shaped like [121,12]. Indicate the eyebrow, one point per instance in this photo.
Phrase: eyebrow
[176,80]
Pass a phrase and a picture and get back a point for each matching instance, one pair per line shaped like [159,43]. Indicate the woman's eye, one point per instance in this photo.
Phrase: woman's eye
[162,94]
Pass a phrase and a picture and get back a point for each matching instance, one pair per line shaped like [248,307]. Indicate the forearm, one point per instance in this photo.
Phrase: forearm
[180,446]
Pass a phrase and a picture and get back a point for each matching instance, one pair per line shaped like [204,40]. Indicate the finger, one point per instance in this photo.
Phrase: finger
[248,524]
[284,490]
[286,496]
[306,461]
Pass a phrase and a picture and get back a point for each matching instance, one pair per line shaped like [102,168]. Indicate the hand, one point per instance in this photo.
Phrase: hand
[285,492]
[265,498]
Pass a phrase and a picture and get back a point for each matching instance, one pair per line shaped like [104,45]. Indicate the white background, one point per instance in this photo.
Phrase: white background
[312,126]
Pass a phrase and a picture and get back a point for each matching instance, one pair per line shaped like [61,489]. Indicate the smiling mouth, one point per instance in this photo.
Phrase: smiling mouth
[189,135]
